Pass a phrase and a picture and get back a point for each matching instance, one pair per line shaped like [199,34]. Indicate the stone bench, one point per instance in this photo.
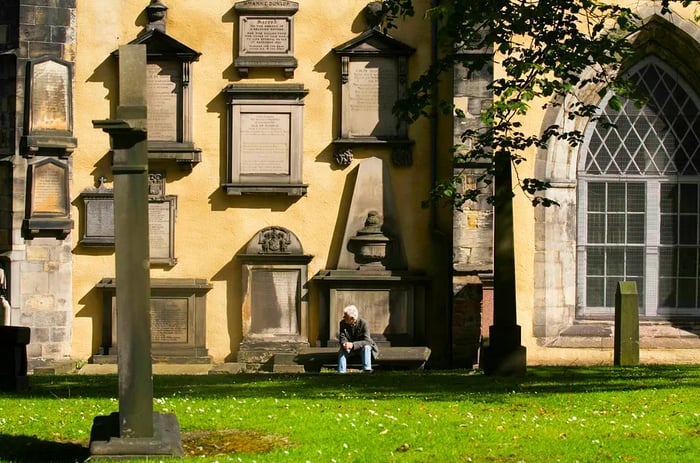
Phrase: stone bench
[390,358]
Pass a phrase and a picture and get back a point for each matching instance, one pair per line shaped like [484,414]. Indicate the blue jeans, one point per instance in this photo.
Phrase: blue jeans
[366,353]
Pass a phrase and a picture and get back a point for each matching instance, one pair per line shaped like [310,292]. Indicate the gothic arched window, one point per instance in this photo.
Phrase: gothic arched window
[639,200]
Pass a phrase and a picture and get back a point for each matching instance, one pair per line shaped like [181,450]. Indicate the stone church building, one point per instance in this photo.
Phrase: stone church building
[281,187]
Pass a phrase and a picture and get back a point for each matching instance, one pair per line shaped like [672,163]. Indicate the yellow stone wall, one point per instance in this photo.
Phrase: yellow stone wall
[212,227]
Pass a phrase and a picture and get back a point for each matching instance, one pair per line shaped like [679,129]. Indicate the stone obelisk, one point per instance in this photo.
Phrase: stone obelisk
[135,431]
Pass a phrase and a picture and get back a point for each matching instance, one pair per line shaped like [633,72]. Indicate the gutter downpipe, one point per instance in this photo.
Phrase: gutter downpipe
[436,233]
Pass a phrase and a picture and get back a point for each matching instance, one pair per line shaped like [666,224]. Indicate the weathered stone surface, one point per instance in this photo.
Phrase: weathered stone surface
[626,351]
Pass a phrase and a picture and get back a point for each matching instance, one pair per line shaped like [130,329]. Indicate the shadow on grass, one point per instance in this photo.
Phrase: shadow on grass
[429,385]
[28,449]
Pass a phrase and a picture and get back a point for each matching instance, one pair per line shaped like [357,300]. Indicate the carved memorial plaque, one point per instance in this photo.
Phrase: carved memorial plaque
[48,209]
[49,189]
[372,93]
[50,102]
[99,223]
[374,75]
[161,230]
[164,88]
[178,320]
[388,311]
[265,139]
[274,309]
[169,320]
[265,143]
[170,93]
[266,35]
[274,297]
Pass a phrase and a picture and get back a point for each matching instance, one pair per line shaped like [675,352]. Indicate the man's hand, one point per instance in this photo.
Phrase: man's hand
[347,346]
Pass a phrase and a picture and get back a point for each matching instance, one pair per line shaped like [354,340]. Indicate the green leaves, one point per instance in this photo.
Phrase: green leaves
[549,53]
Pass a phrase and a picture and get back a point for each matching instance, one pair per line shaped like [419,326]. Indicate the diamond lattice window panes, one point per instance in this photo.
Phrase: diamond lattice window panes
[639,201]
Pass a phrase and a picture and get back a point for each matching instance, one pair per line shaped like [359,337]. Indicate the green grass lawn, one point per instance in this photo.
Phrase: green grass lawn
[643,414]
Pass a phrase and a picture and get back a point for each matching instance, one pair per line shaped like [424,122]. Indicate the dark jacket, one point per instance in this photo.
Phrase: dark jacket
[357,334]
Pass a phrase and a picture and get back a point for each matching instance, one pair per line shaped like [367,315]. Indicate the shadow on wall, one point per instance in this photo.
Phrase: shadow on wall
[231,274]
[92,307]
[106,73]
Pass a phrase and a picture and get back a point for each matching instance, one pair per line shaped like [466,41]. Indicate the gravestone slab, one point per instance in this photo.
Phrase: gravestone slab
[274,310]
[626,346]
[50,108]
[49,208]
[372,91]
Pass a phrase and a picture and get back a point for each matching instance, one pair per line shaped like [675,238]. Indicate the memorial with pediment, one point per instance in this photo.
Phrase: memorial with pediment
[48,208]
[275,301]
[374,72]
[169,81]
[49,108]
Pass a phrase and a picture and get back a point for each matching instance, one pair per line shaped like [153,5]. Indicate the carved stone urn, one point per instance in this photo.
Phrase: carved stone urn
[370,244]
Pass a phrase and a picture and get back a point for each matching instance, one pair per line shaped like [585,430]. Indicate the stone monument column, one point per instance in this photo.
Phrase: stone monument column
[135,431]
[504,355]
[130,171]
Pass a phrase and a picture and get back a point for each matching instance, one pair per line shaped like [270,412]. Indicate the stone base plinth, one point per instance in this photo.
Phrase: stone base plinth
[258,353]
[105,443]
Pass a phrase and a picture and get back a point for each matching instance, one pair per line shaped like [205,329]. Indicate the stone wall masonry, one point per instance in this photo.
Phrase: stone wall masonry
[555,264]
[41,266]
[46,297]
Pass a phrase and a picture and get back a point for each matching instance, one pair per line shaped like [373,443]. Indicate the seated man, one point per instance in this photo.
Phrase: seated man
[354,338]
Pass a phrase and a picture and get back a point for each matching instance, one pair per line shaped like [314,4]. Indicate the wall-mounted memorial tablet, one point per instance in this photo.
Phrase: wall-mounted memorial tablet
[49,108]
[98,219]
[266,35]
[98,216]
[374,73]
[48,208]
[161,230]
[178,320]
[275,302]
[169,98]
[265,139]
